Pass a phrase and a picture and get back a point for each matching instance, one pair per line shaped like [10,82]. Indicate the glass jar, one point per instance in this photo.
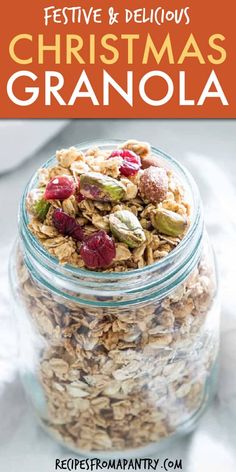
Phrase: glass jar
[118,362]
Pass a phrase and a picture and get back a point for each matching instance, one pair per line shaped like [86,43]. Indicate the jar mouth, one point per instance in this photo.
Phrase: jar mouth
[37,250]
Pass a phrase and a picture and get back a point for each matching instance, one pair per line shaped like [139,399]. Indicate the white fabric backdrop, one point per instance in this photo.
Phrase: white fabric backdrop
[212,447]
[19,141]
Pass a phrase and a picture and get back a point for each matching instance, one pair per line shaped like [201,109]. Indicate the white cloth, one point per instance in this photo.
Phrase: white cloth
[20,139]
[212,447]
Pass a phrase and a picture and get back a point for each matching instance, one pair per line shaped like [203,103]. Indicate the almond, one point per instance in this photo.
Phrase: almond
[153,184]
[150,161]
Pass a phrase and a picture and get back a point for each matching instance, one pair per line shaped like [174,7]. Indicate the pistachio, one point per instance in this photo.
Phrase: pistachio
[126,228]
[101,187]
[37,205]
[168,222]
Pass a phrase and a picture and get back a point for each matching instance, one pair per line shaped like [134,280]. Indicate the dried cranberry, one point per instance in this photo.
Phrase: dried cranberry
[131,161]
[67,225]
[98,250]
[60,188]
[79,197]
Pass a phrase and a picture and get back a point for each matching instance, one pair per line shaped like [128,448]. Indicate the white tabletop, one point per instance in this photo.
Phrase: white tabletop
[208,149]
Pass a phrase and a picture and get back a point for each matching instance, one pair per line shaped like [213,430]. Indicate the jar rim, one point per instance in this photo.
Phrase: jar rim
[73,271]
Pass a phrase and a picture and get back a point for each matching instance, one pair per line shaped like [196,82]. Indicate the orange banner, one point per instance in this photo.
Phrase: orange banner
[142,59]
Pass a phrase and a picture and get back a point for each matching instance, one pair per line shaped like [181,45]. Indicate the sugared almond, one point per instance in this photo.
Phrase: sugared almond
[153,184]
[150,161]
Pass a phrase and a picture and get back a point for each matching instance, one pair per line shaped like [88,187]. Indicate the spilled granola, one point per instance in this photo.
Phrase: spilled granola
[112,210]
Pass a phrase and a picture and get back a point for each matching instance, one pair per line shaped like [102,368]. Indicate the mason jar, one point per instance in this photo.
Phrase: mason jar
[118,363]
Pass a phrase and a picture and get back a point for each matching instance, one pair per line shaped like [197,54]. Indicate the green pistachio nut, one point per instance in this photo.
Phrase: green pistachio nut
[37,205]
[126,228]
[168,222]
[101,187]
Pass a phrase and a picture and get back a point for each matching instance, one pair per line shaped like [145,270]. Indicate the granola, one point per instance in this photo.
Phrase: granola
[117,379]
[95,186]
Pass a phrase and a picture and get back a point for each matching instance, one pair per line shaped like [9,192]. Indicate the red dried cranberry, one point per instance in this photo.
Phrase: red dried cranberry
[98,250]
[131,161]
[79,197]
[67,225]
[60,188]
